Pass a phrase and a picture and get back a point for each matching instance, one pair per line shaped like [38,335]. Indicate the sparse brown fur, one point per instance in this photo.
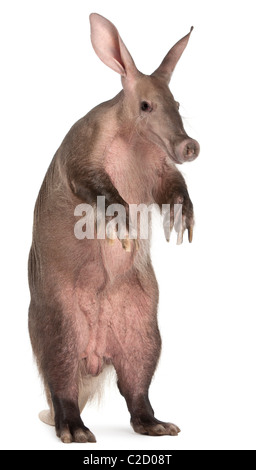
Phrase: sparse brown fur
[93,303]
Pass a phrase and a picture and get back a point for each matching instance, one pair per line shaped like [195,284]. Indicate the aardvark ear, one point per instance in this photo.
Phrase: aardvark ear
[168,65]
[109,47]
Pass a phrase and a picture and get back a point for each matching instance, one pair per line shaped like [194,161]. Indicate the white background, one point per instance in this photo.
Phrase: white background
[50,77]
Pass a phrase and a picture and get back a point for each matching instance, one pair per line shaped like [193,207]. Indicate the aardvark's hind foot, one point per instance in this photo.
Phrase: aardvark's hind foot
[82,434]
[155,428]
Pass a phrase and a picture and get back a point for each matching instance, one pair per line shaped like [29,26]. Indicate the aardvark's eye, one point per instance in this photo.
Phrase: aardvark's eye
[145,106]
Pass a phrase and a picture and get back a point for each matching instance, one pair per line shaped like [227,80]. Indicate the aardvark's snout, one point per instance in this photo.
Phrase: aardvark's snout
[187,150]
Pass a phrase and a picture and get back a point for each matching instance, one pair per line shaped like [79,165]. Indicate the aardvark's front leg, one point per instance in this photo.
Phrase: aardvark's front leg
[172,196]
[90,183]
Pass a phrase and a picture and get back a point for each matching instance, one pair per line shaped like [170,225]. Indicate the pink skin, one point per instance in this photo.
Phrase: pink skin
[94,304]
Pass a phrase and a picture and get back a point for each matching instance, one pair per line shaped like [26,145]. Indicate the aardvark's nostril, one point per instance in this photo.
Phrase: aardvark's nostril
[187,150]
[191,150]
